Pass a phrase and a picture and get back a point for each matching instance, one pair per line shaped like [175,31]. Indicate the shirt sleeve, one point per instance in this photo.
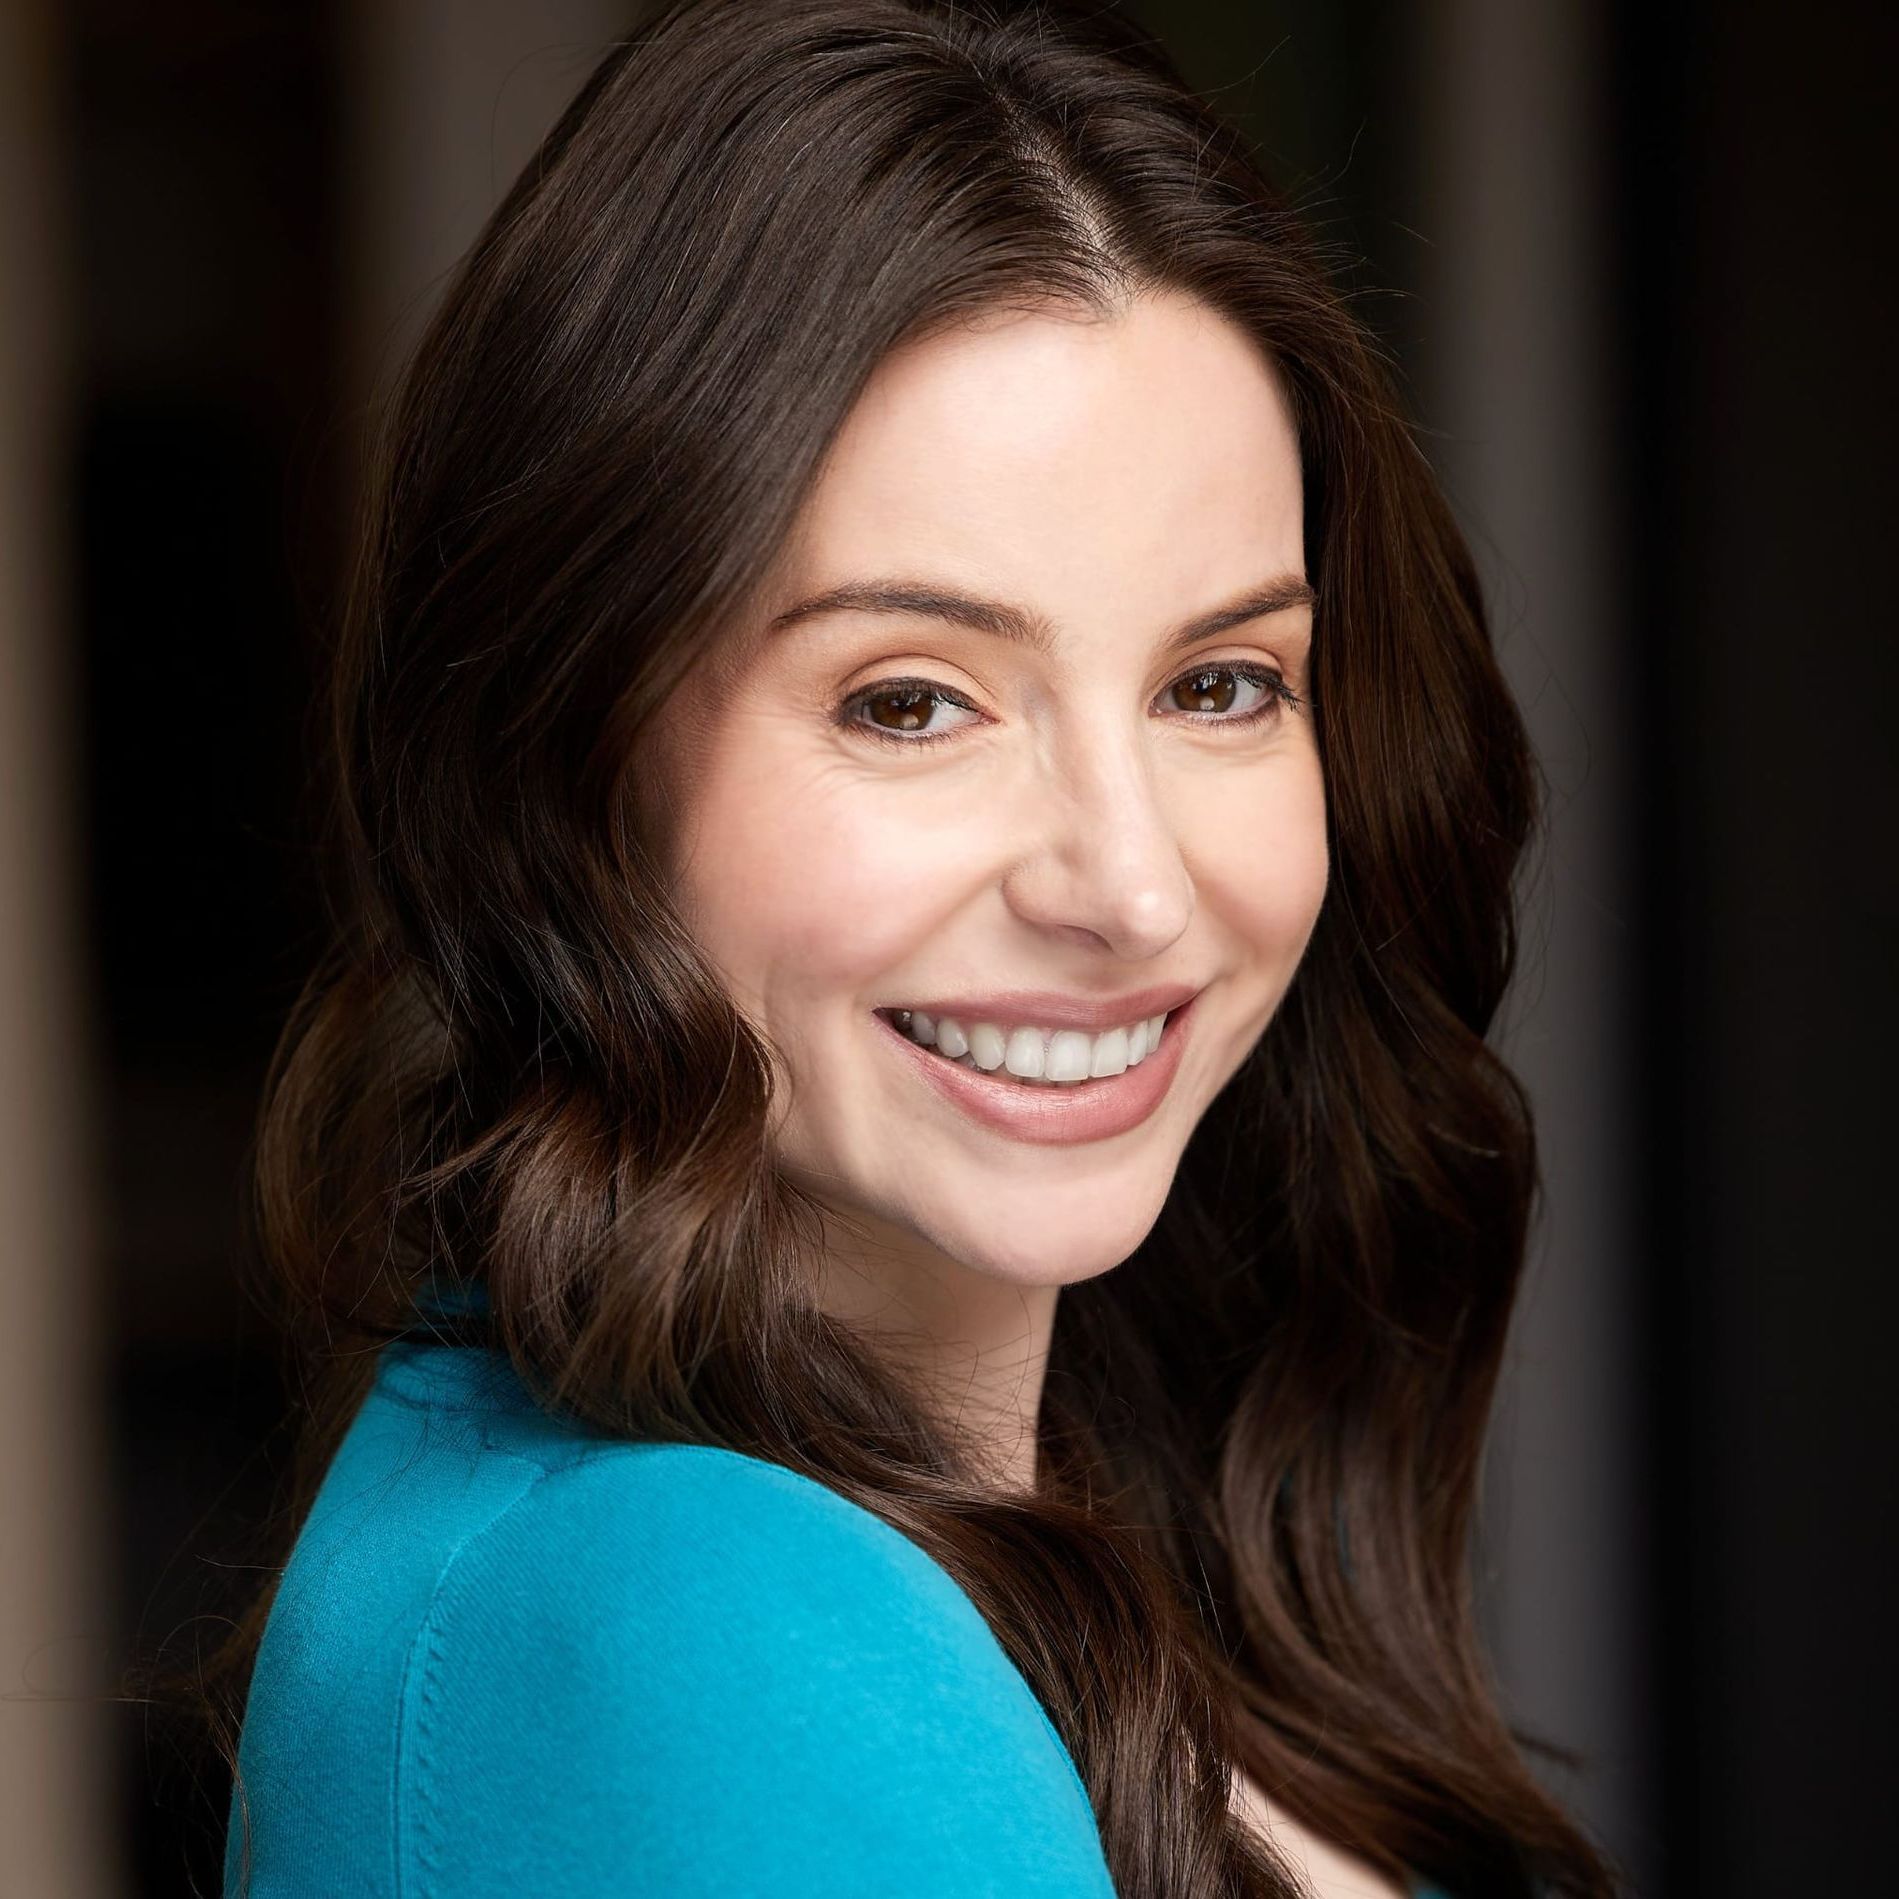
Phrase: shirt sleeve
[675,1671]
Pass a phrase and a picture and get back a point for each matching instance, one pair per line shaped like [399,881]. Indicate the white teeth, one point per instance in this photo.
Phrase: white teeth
[1069,1054]
[986,1046]
[1027,1054]
[1037,1057]
[1144,1038]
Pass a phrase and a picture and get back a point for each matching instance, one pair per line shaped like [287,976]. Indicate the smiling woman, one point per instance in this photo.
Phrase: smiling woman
[846,855]
[894,1189]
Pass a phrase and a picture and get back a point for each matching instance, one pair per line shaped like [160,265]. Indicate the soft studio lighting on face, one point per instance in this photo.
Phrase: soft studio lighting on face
[1006,823]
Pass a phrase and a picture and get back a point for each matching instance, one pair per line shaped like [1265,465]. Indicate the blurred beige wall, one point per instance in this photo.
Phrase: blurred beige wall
[57,1800]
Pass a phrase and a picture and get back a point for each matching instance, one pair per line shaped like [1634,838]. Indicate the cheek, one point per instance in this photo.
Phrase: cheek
[812,877]
[1260,859]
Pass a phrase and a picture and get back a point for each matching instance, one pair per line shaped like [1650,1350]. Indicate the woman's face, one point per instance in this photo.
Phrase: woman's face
[1005,748]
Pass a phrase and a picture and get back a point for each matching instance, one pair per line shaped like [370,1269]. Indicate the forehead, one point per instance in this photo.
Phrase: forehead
[1092,464]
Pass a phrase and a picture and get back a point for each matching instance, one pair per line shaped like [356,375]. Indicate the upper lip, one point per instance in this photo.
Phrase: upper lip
[1047,1009]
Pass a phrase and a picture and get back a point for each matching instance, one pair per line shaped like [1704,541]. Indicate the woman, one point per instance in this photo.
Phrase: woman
[894,1189]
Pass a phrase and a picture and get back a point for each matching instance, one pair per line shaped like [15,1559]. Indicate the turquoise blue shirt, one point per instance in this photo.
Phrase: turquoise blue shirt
[509,1656]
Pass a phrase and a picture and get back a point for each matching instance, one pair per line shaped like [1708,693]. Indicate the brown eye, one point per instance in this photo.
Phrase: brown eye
[1212,690]
[907,711]
[1229,695]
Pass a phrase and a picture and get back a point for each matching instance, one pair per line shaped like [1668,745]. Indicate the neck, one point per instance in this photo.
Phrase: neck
[977,1344]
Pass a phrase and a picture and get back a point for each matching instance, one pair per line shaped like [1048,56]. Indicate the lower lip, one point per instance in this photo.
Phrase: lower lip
[1061,1115]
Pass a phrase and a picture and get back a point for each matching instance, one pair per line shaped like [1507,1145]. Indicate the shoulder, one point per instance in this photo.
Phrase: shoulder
[632,1543]
[725,1674]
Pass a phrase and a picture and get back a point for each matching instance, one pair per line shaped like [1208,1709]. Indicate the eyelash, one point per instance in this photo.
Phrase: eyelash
[1278,695]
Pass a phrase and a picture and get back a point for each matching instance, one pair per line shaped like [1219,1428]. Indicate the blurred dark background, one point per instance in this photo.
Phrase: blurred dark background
[1627,262]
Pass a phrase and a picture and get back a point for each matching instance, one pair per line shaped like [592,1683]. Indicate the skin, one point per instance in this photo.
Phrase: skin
[1080,827]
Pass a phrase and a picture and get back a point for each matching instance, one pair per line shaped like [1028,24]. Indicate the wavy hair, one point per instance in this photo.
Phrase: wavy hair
[1262,1432]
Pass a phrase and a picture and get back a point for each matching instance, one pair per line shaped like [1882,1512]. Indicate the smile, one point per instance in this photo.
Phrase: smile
[1038,1084]
[1047,1058]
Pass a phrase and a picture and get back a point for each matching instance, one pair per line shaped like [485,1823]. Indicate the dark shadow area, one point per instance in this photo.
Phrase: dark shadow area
[1755,180]
[202,186]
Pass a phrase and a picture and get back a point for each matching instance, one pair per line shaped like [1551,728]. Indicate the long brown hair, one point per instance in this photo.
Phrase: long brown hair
[1262,1431]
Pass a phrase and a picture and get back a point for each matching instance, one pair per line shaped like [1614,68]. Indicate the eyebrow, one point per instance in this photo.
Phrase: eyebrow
[1000,618]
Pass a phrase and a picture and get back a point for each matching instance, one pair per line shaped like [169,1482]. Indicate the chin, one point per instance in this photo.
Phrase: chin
[1054,1240]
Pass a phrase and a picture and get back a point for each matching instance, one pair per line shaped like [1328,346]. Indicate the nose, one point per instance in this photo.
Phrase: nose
[1103,865]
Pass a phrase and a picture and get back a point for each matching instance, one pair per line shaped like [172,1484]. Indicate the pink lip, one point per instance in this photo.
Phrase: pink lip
[1047,1009]
[1059,1116]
